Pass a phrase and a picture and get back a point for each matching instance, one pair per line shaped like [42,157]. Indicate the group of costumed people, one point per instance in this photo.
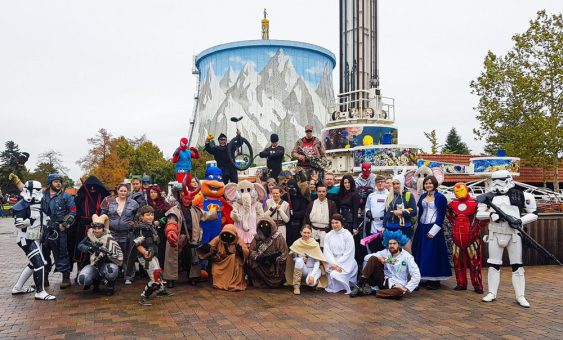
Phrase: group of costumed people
[369,234]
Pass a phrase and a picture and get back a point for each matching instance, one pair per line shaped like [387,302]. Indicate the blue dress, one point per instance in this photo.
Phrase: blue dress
[431,254]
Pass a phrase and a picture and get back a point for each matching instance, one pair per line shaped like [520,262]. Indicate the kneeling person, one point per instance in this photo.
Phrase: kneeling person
[308,262]
[105,256]
[392,270]
[268,253]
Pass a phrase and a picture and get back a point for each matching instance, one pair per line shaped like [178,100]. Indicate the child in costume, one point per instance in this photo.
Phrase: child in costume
[145,238]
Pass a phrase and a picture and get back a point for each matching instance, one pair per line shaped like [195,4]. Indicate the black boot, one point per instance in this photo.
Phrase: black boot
[66,281]
[358,289]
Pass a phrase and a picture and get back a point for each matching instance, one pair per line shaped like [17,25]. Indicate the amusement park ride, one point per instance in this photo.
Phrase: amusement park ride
[361,126]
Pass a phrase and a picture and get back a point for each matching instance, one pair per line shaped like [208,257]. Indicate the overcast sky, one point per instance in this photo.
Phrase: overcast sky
[69,68]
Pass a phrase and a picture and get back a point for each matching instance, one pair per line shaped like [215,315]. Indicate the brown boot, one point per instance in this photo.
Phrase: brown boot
[297,275]
[66,281]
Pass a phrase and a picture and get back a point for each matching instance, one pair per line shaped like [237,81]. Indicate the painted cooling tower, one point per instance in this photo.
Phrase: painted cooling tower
[278,87]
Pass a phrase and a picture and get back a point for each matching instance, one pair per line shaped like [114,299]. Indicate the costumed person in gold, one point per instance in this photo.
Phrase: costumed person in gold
[228,253]
[268,254]
[307,264]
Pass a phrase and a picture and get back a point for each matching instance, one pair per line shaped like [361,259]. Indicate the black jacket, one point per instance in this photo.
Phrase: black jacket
[274,157]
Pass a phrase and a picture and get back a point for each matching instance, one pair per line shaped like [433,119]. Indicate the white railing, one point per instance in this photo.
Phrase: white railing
[365,105]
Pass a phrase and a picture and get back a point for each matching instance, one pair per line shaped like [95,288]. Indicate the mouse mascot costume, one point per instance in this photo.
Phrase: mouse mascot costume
[182,159]
[520,205]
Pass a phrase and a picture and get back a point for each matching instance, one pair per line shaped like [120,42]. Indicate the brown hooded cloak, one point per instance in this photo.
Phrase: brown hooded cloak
[260,274]
[228,268]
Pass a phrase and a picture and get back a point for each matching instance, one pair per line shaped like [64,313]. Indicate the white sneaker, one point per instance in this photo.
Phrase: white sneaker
[128,282]
[44,296]
[490,297]
[22,290]
[523,302]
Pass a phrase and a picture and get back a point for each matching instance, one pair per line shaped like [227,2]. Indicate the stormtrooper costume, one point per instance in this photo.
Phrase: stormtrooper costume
[29,220]
[520,205]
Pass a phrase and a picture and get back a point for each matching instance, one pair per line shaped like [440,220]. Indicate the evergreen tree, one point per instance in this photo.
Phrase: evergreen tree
[10,163]
[454,144]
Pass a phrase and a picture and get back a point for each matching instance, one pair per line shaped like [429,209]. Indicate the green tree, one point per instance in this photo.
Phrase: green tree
[454,144]
[199,164]
[53,158]
[431,136]
[520,95]
[9,163]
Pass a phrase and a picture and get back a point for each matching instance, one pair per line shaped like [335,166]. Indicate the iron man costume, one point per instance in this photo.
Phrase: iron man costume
[467,243]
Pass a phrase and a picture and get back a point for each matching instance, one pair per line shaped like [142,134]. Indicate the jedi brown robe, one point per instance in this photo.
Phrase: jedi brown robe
[228,267]
[185,238]
[270,275]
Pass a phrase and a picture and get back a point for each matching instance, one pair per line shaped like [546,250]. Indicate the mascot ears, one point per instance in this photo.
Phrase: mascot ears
[260,191]
[231,192]
[438,172]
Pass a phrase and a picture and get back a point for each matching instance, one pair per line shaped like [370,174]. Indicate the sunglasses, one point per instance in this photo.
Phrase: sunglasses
[222,140]
[308,131]
[97,225]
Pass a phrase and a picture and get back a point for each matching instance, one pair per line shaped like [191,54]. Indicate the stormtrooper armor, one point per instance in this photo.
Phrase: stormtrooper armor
[501,236]
[29,222]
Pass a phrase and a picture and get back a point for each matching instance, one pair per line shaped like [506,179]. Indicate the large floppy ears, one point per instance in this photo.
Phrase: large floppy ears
[231,192]
[260,191]
[438,172]
[410,180]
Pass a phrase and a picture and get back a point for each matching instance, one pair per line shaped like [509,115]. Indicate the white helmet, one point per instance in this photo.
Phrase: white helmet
[502,182]
[32,192]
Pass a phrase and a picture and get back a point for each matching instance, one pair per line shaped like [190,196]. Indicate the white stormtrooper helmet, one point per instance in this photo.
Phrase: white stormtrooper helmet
[501,182]
[32,192]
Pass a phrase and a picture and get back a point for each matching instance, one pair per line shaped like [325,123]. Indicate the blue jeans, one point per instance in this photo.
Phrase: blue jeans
[60,253]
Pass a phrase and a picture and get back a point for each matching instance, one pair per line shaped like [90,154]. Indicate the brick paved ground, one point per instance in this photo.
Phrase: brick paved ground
[202,312]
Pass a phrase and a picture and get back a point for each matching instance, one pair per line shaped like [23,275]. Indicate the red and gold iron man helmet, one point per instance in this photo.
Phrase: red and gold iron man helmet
[461,191]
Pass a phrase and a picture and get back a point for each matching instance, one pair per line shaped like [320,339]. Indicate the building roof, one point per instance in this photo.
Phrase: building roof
[267,43]
[528,174]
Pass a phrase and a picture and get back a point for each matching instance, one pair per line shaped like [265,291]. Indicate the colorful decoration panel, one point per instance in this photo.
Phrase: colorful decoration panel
[358,135]
[386,157]
[487,165]
[449,168]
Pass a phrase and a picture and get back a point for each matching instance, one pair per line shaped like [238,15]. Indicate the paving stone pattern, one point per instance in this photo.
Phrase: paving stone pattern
[204,312]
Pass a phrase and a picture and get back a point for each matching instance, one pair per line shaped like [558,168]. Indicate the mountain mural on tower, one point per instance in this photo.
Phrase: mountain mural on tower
[276,99]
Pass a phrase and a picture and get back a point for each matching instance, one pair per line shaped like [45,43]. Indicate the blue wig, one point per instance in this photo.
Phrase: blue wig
[396,235]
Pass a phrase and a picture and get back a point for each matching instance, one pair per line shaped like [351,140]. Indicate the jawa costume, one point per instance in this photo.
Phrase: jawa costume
[211,199]
[104,255]
[467,243]
[268,254]
[88,201]
[184,234]
[228,253]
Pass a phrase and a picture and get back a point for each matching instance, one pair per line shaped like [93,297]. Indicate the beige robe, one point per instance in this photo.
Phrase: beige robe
[228,268]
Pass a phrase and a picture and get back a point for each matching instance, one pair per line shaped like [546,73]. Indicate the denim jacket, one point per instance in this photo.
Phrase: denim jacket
[120,224]
[58,206]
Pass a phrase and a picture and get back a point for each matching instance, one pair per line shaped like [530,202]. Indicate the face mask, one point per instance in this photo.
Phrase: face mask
[227,237]
[266,229]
